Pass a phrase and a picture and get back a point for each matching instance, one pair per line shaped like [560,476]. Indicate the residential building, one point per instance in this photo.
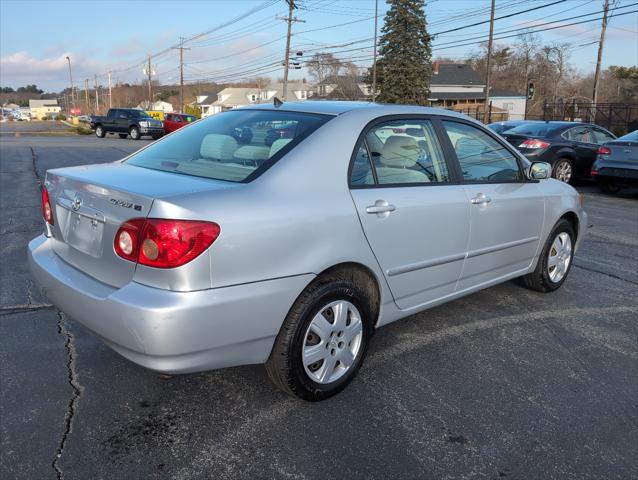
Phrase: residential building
[44,108]
[234,97]
[158,106]
[344,87]
[459,87]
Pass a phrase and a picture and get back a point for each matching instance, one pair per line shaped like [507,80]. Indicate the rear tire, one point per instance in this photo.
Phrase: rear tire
[100,132]
[608,187]
[134,132]
[123,135]
[559,252]
[333,311]
[563,170]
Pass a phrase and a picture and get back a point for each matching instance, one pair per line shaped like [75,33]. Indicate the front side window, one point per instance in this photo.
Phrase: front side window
[580,134]
[401,152]
[230,146]
[482,158]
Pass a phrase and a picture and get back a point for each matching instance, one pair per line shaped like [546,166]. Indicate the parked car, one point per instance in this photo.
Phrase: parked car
[85,119]
[125,122]
[500,127]
[184,257]
[617,164]
[570,147]
[174,121]
[280,131]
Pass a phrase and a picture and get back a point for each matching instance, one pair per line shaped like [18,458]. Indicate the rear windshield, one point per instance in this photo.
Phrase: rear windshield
[630,137]
[235,146]
[536,129]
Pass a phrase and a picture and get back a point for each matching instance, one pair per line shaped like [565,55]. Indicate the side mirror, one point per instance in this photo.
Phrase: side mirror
[539,171]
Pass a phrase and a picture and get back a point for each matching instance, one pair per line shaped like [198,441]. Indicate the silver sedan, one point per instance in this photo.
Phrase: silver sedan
[287,234]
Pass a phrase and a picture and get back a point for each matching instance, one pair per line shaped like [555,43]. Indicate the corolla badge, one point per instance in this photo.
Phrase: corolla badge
[77,203]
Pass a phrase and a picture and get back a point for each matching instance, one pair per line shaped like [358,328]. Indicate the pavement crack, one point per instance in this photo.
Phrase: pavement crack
[617,277]
[34,164]
[76,389]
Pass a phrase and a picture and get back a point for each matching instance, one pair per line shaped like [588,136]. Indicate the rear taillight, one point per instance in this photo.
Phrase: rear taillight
[533,143]
[604,151]
[594,172]
[47,211]
[163,243]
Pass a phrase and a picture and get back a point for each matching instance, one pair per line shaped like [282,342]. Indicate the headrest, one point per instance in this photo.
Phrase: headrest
[399,151]
[278,145]
[218,146]
[252,152]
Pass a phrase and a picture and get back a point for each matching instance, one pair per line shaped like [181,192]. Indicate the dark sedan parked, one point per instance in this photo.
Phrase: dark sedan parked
[617,164]
[570,147]
[500,127]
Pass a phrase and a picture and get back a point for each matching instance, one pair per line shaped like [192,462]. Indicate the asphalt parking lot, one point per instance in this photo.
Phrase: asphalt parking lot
[505,383]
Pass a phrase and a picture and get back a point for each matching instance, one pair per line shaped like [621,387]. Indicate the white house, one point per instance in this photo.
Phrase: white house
[158,106]
[233,97]
[512,102]
[44,108]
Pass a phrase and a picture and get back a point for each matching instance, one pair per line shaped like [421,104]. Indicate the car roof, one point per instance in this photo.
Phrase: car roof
[328,107]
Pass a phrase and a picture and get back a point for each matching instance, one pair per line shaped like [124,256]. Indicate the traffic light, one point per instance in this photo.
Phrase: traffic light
[530,91]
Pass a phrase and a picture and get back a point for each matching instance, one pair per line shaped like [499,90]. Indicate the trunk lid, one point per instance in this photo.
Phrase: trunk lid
[90,203]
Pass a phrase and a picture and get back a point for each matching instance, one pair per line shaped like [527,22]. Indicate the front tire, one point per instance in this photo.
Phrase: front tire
[100,132]
[563,170]
[323,340]
[555,261]
[134,132]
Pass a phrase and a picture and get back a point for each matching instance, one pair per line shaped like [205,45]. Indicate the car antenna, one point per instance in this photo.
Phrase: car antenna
[277,103]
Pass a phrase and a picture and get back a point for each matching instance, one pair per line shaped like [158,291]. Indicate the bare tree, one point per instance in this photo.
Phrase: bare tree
[323,65]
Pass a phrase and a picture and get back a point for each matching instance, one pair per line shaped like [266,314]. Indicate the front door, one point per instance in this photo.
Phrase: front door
[506,210]
[414,217]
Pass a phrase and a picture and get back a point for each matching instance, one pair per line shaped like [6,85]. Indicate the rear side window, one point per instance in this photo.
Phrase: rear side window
[400,152]
[235,146]
[482,158]
[580,134]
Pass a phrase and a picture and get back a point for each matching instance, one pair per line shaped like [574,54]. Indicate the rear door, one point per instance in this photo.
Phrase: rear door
[506,210]
[585,146]
[415,217]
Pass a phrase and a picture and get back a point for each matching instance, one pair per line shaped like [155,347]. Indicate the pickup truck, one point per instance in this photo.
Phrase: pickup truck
[127,121]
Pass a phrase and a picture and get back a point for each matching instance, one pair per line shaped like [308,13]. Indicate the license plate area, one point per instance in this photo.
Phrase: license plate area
[82,229]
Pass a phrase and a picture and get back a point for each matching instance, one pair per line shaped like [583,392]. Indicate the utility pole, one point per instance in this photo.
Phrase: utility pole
[86,94]
[97,97]
[181,72]
[290,19]
[374,62]
[601,43]
[68,59]
[110,93]
[487,66]
[150,88]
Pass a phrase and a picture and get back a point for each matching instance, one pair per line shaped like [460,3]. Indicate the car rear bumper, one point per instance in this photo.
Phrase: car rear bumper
[172,332]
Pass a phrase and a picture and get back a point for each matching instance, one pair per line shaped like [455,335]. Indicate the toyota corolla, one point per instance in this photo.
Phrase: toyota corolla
[201,252]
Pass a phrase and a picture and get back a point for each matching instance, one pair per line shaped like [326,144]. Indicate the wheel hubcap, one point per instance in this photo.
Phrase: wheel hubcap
[332,342]
[560,256]
[564,171]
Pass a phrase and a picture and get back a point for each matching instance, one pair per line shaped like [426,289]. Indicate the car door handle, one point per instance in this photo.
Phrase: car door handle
[481,199]
[381,207]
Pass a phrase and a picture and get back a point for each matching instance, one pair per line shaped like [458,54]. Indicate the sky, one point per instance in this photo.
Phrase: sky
[246,38]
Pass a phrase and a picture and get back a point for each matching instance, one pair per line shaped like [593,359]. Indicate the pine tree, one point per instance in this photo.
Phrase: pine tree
[404,67]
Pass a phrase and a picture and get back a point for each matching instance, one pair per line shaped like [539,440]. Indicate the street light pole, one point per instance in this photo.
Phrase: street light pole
[68,59]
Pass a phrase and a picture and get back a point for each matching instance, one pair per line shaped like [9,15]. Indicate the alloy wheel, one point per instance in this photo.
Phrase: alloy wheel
[332,342]
[560,256]
[563,171]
